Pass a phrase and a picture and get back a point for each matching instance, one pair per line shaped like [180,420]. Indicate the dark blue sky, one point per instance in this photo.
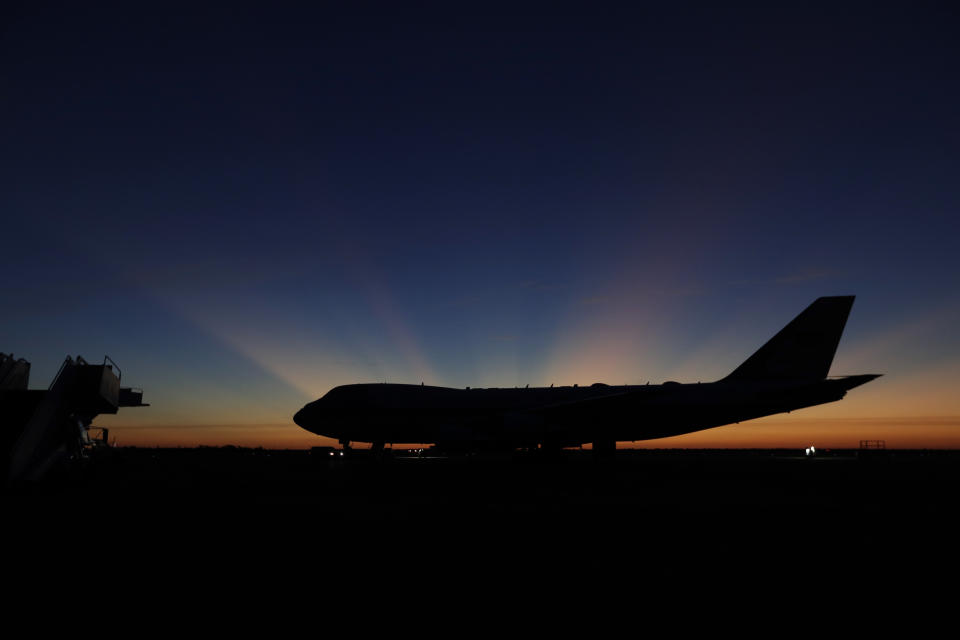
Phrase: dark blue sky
[246,206]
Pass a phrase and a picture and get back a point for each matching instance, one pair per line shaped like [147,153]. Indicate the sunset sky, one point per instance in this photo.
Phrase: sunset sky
[246,207]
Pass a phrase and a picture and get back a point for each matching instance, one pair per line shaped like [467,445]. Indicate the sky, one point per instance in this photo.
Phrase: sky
[245,206]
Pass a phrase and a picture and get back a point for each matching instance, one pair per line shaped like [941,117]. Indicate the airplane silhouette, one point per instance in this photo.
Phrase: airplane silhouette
[788,372]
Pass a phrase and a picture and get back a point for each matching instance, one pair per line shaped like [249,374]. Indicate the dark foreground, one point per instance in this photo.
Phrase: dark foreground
[676,521]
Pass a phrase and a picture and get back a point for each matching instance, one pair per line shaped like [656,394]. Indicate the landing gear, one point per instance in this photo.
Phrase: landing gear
[346,445]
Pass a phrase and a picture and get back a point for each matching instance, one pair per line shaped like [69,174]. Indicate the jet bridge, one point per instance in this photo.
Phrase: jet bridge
[41,428]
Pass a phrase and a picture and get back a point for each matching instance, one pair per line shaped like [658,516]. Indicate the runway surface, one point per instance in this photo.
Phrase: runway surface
[674,520]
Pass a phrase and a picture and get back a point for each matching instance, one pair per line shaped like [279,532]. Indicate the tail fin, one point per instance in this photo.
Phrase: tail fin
[802,350]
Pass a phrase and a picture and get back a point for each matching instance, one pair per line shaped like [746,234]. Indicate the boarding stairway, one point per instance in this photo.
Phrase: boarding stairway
[14,373]
[53,425]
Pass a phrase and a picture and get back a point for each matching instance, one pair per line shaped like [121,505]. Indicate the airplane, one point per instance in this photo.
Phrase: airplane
[789,372]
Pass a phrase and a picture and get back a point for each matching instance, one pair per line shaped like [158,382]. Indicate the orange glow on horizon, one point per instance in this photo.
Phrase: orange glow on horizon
[266,436]
[921,432]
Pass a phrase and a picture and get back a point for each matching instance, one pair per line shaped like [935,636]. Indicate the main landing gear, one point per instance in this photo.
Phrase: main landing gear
[377,449]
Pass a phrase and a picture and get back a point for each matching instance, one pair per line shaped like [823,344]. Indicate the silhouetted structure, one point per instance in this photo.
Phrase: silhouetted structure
[789,372]
[41,427]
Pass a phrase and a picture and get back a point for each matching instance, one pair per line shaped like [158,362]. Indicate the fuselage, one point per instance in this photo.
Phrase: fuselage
[558,416]
[788,372]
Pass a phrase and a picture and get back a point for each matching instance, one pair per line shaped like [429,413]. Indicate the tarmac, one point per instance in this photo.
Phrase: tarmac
[668,520]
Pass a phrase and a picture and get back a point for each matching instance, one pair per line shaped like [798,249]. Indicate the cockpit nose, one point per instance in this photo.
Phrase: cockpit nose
[322,417]
[314,417]
[305,416]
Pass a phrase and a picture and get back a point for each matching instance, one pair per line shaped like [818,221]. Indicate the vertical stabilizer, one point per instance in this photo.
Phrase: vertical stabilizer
[802,350]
